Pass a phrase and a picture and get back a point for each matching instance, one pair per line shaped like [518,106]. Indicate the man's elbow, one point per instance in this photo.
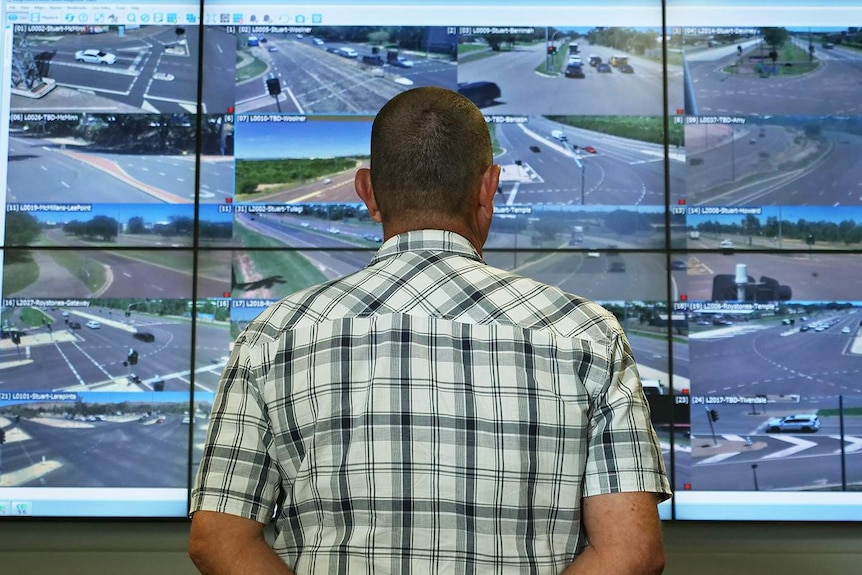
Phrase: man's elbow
[199,551]
[653,559]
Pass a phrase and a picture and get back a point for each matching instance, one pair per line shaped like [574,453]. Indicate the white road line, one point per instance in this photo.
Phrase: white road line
[855,443]
[717,458]
[798,445]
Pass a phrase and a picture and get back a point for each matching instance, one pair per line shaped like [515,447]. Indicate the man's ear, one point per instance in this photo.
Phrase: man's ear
[362,182]
[488,188]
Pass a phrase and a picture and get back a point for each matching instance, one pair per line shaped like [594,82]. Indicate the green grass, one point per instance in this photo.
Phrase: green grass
[495,144]
[297,272]
[92,273]
[252,69]
[644,128]
[853,411]
[471,48]
[34,317]
[558,62]
[19,271]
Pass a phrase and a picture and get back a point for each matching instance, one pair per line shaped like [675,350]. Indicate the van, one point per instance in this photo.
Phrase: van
[616,61]
[559,135]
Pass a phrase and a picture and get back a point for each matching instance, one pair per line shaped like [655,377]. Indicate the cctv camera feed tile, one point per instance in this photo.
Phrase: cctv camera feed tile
[772,71]
[81,439]
[114,225]
[801,228]
[39,273]
[102,158]
[128,69]
[580,160]
[779,276]
[796,161]
[128,345]
[340,69]
[601,71]
[786,414]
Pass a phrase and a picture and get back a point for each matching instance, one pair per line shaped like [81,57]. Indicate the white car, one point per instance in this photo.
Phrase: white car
[317,41]
[726,244]
[93,324]
[93,56]
[845,329]
[347,52]
[402,62]
[807,422]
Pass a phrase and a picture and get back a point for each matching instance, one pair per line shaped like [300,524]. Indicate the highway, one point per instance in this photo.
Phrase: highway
[769,164]
[525,91]
[830,89]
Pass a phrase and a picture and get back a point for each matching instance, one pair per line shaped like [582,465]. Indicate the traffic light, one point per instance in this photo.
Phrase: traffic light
[713,415]
[809,239]
[552,49]
[273,86]
[2,437]
[16,338]
[133,357]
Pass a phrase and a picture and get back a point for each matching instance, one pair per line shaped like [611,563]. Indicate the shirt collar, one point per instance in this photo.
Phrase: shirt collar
[426,240]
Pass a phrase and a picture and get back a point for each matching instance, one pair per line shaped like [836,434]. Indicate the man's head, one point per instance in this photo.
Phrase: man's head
[431,164]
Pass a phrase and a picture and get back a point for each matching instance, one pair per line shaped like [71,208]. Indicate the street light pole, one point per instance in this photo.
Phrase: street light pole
[754,472]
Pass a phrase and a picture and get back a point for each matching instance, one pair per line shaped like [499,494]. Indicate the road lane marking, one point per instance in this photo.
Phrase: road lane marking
[798,445]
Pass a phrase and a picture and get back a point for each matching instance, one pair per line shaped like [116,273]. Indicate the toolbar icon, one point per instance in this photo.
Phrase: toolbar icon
[172,18]
[316,18]
[299,19]
[145,18]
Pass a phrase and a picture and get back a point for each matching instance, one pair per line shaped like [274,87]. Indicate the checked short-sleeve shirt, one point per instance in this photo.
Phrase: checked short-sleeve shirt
[428,414]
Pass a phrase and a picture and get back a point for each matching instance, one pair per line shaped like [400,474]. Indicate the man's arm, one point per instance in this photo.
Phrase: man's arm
[224,544]
[624,533]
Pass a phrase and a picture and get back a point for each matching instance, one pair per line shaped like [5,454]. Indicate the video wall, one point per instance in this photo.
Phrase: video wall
[172,170]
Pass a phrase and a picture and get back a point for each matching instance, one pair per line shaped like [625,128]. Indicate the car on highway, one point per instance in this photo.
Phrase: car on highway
[332,50]
[402,62]
[575,70]
[678,264]
[617,61]
[726,244]
[161,419]
[617,266]
[807,422]
[317,41]
[626,69]
[272,48]
[74,325]
[334,230]
[594,255]
[372,59]
[590,149]
[93,56]
[595,60]
[93,324]
[603,68]
[845,329]
[804,328]
[144,336]
[535,149]
[347,52]
[828,45]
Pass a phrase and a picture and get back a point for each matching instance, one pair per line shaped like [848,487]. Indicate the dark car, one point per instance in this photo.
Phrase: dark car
[373,59]
[535,149]
[144,336]
[480,93]
[603,68]
[677,264]
[617,266]
[74,325]
[575,71]
[595,61]
[626,69]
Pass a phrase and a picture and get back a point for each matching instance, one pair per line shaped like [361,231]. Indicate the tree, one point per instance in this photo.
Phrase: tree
[136,225]
[21,228]
[775,37]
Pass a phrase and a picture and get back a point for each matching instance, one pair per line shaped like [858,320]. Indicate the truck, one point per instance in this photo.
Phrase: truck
[559,135]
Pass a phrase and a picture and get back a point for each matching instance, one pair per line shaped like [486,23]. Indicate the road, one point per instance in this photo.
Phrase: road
[526,91]
[811,276]
[830,89]
[621,172]
[316,80]
[757,164]
[337,187]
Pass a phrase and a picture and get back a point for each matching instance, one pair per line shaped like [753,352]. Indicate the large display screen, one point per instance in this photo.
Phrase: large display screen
[170,170]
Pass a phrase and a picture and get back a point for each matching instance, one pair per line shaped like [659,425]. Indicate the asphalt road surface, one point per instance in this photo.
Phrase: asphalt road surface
[831,89]
[339,188]
[748,165]
[525,91]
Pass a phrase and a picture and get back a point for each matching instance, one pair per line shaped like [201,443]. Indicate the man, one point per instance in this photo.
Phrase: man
[430,414]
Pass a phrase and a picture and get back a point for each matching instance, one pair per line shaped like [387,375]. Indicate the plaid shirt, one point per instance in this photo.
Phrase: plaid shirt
[428,414]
